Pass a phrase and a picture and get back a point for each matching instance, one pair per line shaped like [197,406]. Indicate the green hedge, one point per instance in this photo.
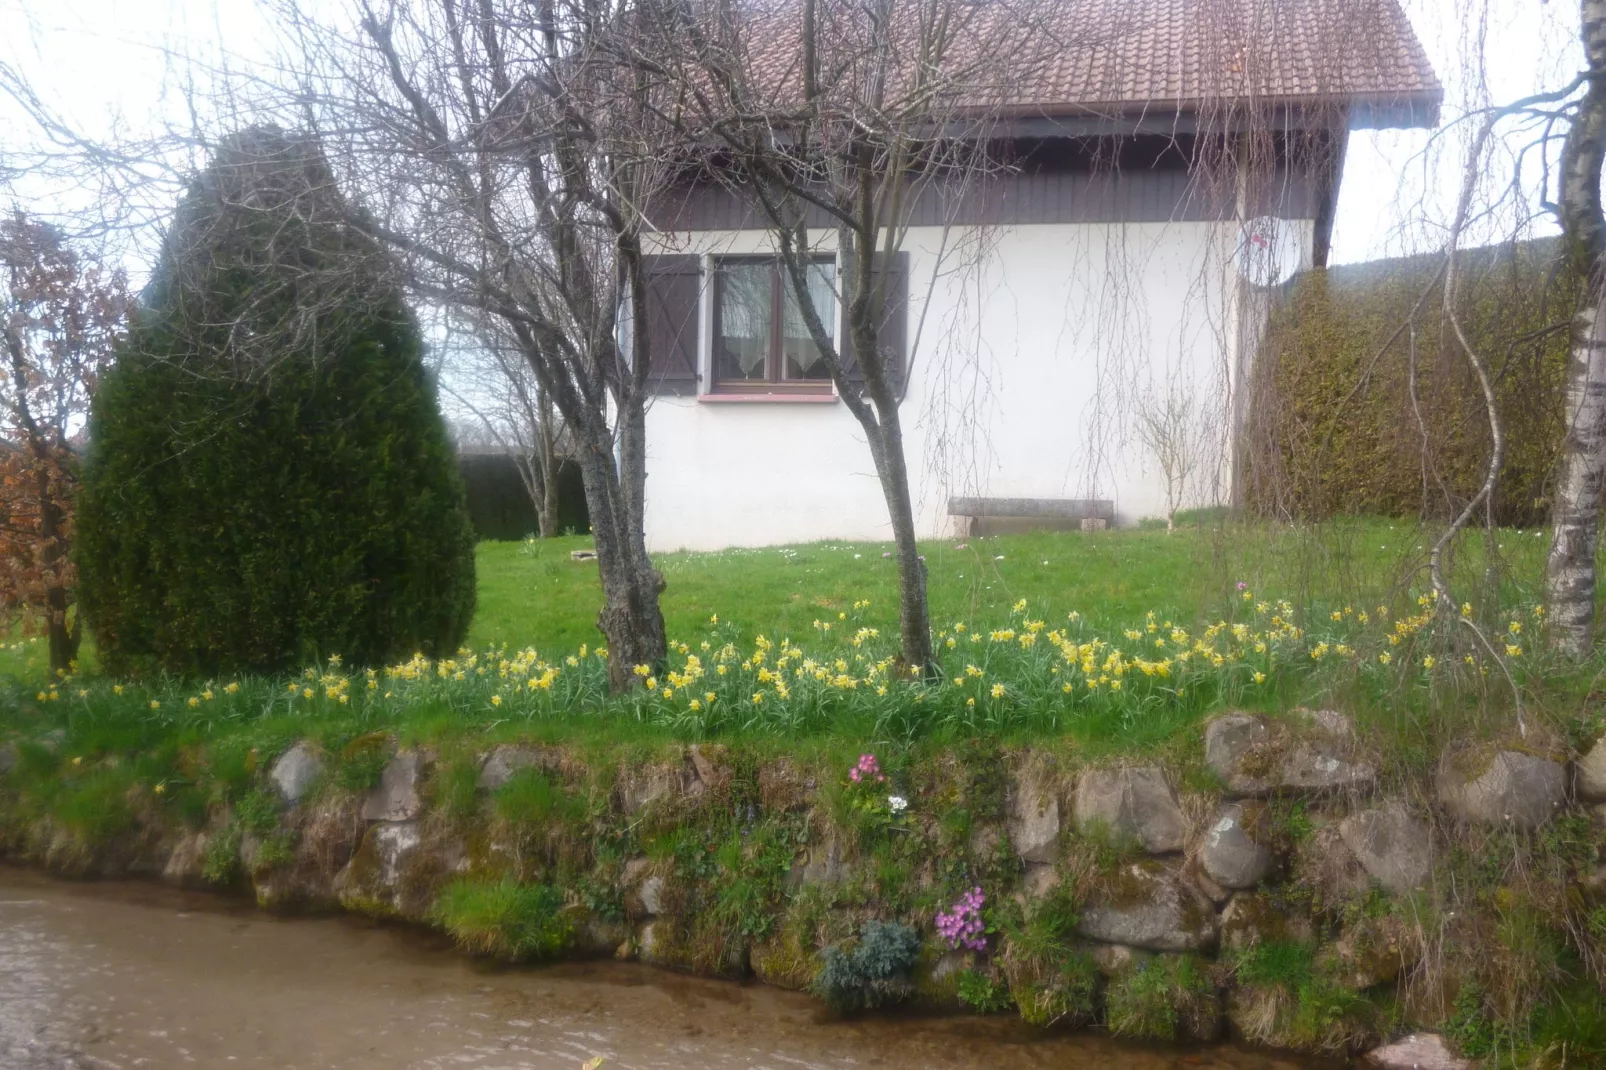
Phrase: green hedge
[269,481]
[1332,427]
[500,508]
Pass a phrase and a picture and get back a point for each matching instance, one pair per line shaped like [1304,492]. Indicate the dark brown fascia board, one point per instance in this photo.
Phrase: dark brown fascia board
[1397,112]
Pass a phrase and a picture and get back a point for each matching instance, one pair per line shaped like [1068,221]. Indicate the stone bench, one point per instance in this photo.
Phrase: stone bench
[995,516]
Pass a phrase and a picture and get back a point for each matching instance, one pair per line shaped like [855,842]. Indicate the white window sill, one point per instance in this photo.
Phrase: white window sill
[768,399]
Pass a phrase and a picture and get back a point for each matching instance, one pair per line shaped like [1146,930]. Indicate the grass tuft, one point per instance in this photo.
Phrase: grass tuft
[504,920]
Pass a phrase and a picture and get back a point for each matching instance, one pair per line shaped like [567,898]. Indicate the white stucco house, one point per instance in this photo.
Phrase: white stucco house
[1104,278]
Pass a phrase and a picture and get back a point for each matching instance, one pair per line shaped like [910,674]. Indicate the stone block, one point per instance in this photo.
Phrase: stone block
[296,771]
[1231,854]
[1510,788]
[1147,906]
[1394,848]
[1131,803]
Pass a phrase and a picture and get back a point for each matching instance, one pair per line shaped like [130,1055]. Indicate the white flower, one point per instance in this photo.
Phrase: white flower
[898,803]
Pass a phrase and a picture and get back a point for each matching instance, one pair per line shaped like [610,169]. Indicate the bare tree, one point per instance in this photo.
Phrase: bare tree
[832,120]
[507,159]
[1173,426]
[512,411]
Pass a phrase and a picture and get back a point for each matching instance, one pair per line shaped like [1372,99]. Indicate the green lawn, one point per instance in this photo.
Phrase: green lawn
[805,645]
[533,593]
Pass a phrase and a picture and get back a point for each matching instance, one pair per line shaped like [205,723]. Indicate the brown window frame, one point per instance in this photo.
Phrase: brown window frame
[775,360]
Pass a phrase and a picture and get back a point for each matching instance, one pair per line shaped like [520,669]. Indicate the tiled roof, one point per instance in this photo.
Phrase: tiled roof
[1127,56]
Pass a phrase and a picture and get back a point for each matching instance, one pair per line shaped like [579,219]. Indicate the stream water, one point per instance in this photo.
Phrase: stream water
[131,975]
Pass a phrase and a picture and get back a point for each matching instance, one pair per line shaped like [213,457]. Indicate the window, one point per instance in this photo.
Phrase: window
[761,344]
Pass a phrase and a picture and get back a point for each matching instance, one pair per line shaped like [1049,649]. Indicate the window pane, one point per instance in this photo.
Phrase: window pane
[744,321]
[803,359]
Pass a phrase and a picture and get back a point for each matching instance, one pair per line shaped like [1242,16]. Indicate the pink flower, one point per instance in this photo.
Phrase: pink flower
[868,770]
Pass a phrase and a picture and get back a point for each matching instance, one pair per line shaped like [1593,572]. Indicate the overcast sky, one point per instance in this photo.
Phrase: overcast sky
[107,63]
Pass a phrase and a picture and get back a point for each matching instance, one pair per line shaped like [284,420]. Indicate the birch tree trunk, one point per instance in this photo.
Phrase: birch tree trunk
[1575,513]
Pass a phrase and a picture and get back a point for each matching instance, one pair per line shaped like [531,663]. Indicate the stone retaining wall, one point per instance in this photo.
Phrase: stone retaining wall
[1152,898]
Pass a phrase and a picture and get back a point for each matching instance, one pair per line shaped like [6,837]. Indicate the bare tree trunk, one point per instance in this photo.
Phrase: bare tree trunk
[1575,512]
[52,520]
[914,614]
[546,509]
[630,617]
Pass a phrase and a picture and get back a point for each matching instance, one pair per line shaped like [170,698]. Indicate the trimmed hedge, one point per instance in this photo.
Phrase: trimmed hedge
[1332,432]
[499,506]
[269,481]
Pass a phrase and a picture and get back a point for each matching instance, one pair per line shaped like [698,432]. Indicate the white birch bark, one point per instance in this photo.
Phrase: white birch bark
[1575,510]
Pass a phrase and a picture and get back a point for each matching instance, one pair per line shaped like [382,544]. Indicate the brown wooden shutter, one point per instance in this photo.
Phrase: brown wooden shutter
[894,333]
[674,289]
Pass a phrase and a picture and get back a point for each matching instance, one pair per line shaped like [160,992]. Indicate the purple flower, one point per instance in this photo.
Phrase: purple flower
[962,925]
[1242,586]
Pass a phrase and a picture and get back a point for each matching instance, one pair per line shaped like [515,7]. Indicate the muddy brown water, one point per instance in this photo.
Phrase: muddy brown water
[130,975]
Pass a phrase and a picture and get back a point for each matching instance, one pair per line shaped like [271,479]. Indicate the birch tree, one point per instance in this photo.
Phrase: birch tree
[1575,512]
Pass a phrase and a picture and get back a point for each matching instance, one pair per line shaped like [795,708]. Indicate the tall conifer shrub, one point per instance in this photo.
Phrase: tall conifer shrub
[268,480]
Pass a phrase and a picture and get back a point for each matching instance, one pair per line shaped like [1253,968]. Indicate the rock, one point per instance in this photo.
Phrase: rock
[1194,874]
[1309,752]
[1230,739]
[649,944]
[1034,824]
[1133,803]
[635,872]
[396,797]
[823,864]
[1114,959]
[1522,790]
[639,787]
[1251,919]
[1039,880]
[296,771]
[656,945]
[184,864]
[1230,854]
[785,960]
[505,760]
[393,872]
[702,765]
[1372,951]
[1590,774]
[781,787]
[327,835]
[598,937]
[950,964]
[1147,906]
[1327,867]
[652,895]
[984,841]
[1421,1051]
[1394,848]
